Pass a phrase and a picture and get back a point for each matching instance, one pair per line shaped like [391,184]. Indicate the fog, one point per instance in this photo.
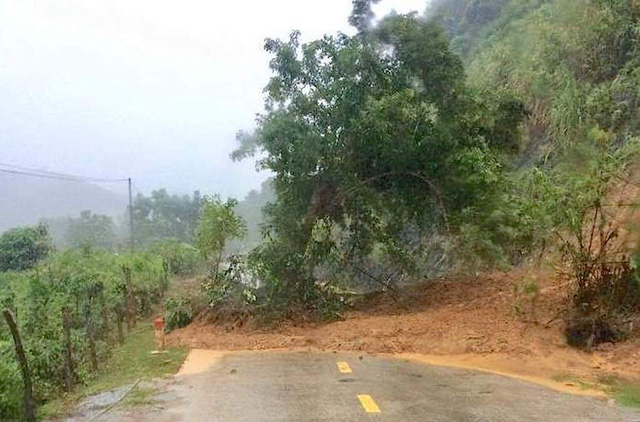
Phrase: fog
[153,90]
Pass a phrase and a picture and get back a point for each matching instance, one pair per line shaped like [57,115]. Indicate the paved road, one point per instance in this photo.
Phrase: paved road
[319,387]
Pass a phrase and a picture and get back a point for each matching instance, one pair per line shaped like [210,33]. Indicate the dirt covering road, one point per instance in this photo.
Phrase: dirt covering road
[472,323]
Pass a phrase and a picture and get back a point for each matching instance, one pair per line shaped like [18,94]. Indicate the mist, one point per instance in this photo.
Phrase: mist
[150,90]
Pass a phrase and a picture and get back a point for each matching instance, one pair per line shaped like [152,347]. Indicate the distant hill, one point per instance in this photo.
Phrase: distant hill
[25,200]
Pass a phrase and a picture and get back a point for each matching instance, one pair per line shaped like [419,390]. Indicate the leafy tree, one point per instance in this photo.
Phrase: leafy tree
[163,216]
[217,226]
[180,258]
[23,247]
[94,230]
[366,135]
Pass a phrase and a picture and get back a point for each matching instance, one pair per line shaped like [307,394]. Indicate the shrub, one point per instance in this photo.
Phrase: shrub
[23,247]
[181,258]
[10,384]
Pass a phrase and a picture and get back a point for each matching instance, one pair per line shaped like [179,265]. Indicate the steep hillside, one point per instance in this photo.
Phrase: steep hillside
[572,64]
[26,200]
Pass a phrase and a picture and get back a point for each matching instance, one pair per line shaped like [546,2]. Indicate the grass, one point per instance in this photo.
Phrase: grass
[127,364]
[625,392]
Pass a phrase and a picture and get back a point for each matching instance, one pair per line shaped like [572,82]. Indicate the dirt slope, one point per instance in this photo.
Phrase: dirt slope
[458,322]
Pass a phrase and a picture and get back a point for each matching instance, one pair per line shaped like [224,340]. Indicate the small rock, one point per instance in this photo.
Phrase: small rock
[233,371]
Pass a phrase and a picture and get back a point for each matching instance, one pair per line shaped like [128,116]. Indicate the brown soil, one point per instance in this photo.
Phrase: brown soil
[475,323]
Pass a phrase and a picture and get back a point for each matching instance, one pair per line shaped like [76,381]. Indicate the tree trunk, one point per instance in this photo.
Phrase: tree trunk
[218,263]
[29,401]
[69,376]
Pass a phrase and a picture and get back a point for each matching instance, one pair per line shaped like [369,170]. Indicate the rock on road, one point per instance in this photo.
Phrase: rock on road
[319,387]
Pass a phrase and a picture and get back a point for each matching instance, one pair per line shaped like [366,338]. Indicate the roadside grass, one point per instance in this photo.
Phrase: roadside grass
[127,364]
[624,391]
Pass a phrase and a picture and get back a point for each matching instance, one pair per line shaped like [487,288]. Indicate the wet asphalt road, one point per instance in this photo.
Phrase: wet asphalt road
[310,387]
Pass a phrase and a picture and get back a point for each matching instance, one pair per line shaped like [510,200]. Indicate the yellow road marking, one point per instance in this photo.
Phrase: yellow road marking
[368,404]
[344,367]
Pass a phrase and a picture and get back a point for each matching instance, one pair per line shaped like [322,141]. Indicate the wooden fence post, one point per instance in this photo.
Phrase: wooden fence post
[130,299]
[69,375]
[29,401]
[119,318]
[91,337]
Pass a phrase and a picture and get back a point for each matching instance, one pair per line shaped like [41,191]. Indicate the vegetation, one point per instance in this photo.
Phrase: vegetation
[71,308]
[126,364]
[162,216]
[395,152]
[481,135]
[181,259]
[92,230]
[22,248]
[574,67]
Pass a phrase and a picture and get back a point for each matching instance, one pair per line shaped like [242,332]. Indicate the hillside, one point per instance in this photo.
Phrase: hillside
[26,200]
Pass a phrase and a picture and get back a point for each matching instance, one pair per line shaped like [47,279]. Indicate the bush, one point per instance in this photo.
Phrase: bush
[10,384]
[23,247]
[181,258]
[180,311]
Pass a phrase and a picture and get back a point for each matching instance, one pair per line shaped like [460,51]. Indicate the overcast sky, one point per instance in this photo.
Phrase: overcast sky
[151,89]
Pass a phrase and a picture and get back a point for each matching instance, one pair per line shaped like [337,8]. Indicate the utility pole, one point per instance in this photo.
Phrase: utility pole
[131,243]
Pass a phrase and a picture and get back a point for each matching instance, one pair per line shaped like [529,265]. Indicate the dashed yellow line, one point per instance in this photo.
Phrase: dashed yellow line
[344,367]
[368,404]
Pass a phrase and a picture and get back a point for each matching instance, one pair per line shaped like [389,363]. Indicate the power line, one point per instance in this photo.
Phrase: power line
[25,171]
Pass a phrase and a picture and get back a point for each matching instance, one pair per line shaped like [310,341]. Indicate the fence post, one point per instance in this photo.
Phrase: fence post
[29,402]
[129,298]
[119,318]
[91,336]
[69,376]
[158,325]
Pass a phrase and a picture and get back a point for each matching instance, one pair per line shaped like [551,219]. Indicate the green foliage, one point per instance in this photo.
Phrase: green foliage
[10,384]
[369,135]
[91,230]
[382,145]
[218,225]
[90,285]
[573,64]
[164,216]
[22,248]
[125,365]
[179,312]
[181,258]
